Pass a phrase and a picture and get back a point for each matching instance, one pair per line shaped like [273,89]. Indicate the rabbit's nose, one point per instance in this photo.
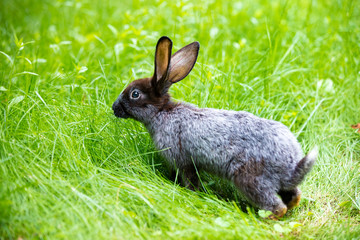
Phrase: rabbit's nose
[117,102]
[114,105]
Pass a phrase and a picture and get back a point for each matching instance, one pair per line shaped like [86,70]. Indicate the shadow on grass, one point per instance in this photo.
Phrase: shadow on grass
[210,184]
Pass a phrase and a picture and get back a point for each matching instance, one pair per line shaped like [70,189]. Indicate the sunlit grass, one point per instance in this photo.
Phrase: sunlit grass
[69,169]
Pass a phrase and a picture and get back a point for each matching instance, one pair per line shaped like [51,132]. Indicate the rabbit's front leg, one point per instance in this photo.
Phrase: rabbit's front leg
[189,177]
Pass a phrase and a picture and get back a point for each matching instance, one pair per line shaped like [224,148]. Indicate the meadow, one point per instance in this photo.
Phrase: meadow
[70,170]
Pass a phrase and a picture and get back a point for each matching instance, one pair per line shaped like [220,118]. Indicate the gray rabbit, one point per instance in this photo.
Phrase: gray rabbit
[261,157]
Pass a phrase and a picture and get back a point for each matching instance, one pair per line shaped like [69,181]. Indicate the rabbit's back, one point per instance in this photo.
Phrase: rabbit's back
[222,142]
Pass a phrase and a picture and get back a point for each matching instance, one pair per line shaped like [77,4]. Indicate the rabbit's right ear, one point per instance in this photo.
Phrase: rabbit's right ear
[162,63]
[183,61]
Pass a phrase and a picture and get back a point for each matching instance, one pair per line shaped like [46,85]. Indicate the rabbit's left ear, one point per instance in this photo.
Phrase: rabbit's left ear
[162,63]
[182,62]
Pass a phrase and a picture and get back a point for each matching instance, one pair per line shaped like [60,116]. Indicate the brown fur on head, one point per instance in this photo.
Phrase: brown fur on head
[145,97]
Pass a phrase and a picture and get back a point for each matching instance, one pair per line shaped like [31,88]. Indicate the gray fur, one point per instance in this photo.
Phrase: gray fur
[224,143]
[261,157]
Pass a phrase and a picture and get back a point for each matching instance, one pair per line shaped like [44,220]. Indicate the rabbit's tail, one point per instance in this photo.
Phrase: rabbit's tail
[304,166]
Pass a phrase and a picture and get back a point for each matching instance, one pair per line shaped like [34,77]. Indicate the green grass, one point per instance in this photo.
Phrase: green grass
[70,170]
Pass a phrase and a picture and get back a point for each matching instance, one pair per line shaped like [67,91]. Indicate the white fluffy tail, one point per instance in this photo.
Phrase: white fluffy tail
[304,166]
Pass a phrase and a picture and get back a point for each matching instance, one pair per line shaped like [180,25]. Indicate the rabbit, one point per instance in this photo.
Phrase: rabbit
[261,157]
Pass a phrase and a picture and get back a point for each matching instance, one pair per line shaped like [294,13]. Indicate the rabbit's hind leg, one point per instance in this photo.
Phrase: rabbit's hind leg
[290,197]
[260,195]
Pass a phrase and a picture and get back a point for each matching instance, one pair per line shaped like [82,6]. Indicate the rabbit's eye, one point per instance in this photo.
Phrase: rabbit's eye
[135,94]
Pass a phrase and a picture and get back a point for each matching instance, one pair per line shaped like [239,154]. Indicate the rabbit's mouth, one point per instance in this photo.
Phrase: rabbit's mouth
[119,111]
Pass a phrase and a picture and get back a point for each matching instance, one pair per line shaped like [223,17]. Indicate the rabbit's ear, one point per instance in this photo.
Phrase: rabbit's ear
[162,63]
[182,62]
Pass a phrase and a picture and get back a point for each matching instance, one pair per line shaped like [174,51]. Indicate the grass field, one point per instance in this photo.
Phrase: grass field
[70,170]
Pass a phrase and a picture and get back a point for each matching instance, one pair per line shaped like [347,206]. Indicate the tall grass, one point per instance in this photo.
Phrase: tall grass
[69,169]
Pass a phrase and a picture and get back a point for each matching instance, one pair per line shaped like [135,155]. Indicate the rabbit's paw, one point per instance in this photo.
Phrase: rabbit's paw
[295,201]
[278,213]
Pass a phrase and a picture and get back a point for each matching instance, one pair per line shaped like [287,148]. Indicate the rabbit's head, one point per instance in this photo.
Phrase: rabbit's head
[143,98]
